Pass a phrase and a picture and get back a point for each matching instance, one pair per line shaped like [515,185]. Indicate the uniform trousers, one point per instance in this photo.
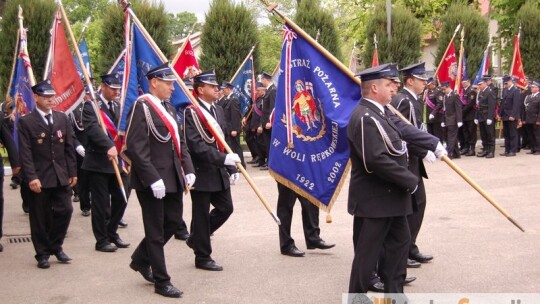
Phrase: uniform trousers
[533,132]
[452,143]
[310,218]
[108,206]
[487,135]
[417,217]
[50,214]
[371,236]
[1,203]
[205,222]
[81,189]
[251,141]
[469,130]
[161,218]
[511,139]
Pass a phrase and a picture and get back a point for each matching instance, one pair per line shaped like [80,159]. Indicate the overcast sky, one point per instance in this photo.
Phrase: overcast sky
[198,7]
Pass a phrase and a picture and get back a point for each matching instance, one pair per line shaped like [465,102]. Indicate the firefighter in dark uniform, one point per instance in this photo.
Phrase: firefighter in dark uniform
[510,111]
[485,118]
[256,123]
[435,95]
[469,113]
[233,117]
[532,118]
[250,123]
[452,119]
[82,192]
[48,160]
[269,101]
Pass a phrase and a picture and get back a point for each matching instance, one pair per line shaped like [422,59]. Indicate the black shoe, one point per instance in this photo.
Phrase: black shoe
[413,264]
[503,154]
[409,280]
[76,198]
[25,209]
[14,185]
[86,212]
[181,236]
[510,154]
[189,242]
[463,151]
[1,248]
[167,290]
[253,161]
[421,258]
[482,154]
[264,167]
[145,271]
[62,257]
[376,287]
[106,248]
[122,224]
[258,165]
[43,263]
[490,155]
[293,251]
[536,153]
[470,153]
[320,245]
[208,265]
[119,243]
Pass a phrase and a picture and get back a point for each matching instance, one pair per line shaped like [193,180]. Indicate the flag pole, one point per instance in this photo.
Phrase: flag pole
[451,41]
[25,48]
[116,61]
[457,85]
[49,54]
[85,25]
[92,93]
[15,55]
[126,6]
[243,62]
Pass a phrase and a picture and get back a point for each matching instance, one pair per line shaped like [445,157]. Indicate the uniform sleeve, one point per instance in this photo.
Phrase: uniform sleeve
[25,152]
[197,146]
[93,129]
[69,148]
[9,143]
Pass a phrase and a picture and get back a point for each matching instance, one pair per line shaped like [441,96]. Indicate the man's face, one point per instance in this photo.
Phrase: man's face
[109,93]
[208,92]
[44,103]
[534,89]
[508,84]
[386,89]
[482,85]
[465,84]
[261,92]
[416,85]
[161,89]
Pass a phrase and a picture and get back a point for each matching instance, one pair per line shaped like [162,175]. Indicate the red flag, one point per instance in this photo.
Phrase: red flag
[64,76]
[447,71]
[517,65]
[186,64]
[375,60]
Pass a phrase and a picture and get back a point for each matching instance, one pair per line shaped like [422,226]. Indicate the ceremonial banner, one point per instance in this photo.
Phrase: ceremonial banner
[185,63]
[141,58]
[353,61]
[447,71]
[64,76]
[244,84]
[375,59]
[83,48]
[119,65]
[484,67]
[20,92]
[516,70]
[309,152]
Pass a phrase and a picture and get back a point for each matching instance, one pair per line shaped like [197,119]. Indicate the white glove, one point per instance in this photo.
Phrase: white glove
[443,124]
[234,177]
[488,122]
[190,179]
[159,189]
[431,116]
[80,150]
[440,151]
[459,124]
[430,157]
[476,121]
[231,159]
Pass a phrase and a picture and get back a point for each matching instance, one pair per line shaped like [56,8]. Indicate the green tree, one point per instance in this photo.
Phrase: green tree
[38,18]
[151,14]
[270,48]
[404,45]
[319,23]
[228,35]
[529,14]
[181,23]
[476,34]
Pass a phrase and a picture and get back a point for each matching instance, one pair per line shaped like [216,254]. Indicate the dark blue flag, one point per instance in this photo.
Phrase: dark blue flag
[243,84]
[83,49]
[143,58]
[315,98]
[484,67]
[20,91]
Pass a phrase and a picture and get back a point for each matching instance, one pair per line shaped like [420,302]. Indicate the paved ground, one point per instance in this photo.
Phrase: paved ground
[475,248]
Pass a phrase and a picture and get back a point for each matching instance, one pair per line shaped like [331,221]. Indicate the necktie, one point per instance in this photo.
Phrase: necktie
[213,111]
[49,121]
[111,108]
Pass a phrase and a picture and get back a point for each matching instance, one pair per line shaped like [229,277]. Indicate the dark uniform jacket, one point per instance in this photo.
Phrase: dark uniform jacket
[233,116]
[98,143]
[255,120]
[269,101]
[532,109]
[436,96]
[511,103]
[7,141]
[381,183]
[486,105]
[47,155]
[451,106]
[403,102]
[212,174]
[469,109]
[151,159]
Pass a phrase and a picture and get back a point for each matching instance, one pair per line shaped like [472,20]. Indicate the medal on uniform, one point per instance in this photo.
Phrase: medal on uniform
[59,134]
[40,141]
[42,135]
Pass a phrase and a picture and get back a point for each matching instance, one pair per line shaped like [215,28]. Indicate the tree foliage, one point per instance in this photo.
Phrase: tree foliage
[38,18]
[270,48]
[476,34]
[529,14]
[228,35]
[153,17]
[181,23]
[319,23]
[404,45]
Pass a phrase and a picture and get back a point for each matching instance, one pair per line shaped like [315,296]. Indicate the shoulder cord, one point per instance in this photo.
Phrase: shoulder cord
[152,127]
[200,128]
[72,115]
